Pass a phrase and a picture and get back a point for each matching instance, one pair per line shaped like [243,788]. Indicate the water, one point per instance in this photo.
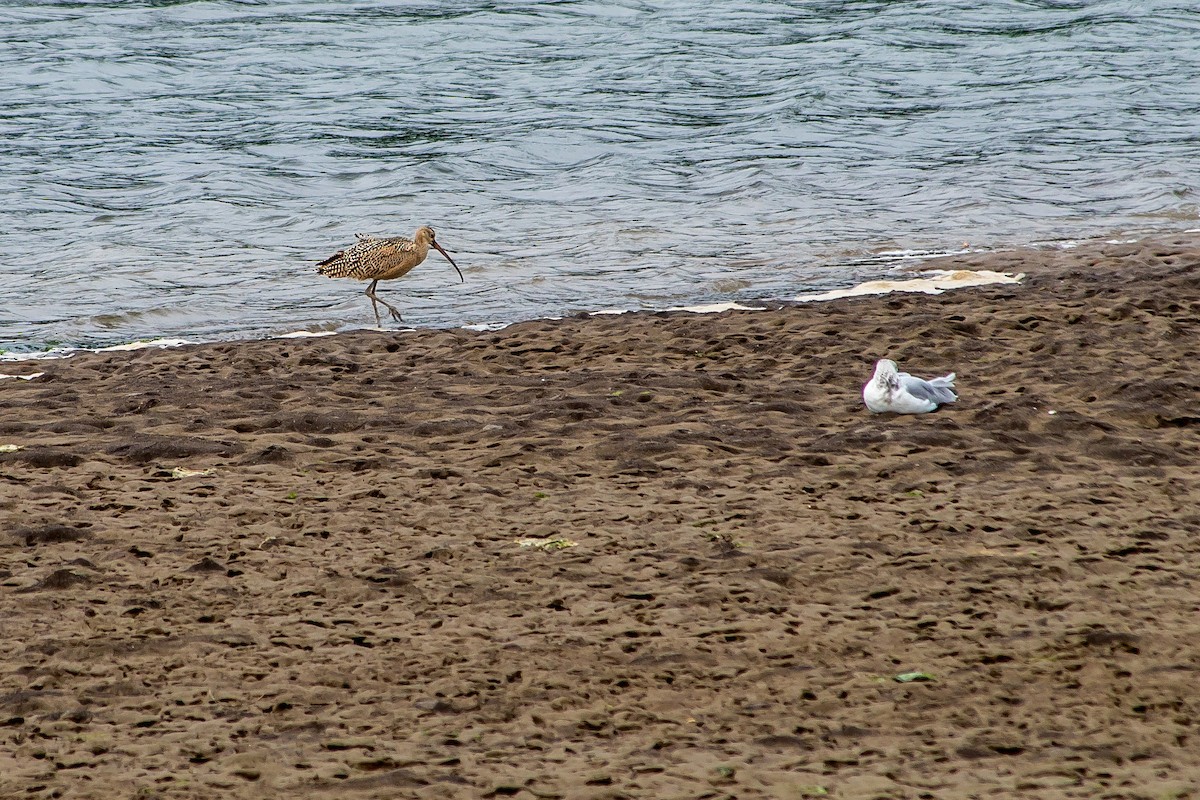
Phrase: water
[176,168]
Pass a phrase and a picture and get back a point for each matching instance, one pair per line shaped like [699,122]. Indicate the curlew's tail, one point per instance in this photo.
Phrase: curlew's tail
[326,266]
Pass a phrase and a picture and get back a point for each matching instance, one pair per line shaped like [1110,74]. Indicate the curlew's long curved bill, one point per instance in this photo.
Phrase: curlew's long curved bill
[451,260]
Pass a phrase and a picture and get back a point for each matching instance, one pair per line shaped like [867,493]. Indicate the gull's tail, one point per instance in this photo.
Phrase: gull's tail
[943,389]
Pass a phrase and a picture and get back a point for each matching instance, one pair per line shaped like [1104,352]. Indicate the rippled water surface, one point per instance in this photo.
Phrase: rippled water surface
[176,168]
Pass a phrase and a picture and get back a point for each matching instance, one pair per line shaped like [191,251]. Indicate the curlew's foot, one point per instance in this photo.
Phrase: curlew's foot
[375,300]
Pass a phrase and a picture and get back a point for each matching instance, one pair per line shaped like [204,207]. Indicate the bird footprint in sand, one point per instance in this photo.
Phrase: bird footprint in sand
[901,393]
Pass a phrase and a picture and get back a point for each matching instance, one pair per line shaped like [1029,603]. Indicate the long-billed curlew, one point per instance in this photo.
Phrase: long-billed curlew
[375,260]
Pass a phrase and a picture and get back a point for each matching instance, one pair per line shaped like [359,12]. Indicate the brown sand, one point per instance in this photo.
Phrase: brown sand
[340,610]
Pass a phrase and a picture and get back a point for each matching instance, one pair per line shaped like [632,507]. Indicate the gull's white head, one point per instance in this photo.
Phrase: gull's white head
[886,372]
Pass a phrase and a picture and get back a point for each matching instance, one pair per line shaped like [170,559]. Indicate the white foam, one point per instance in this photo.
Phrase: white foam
[28,377]
[304,334]
[934,282]
[67,352]
[717,308]
[143,345]
[484,327]
[888,256]
[707,308]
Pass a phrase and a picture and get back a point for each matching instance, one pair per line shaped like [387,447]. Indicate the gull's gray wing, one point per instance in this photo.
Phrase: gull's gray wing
[940,390]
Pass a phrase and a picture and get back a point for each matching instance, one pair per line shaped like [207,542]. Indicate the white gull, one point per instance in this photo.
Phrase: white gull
[901,393]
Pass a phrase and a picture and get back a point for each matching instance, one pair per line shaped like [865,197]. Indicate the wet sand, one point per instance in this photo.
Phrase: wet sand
[735,560]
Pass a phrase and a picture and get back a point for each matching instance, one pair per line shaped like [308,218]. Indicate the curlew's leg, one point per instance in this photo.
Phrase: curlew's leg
[374,299]
[375,308]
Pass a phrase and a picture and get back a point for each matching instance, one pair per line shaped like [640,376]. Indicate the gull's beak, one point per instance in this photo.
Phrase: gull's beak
[451,260]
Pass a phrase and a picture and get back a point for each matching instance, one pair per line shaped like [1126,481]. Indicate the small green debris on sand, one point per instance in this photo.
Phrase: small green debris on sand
[548,543]
[911,677]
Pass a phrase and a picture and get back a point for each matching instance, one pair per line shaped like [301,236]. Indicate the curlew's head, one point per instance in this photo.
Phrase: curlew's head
[425,236]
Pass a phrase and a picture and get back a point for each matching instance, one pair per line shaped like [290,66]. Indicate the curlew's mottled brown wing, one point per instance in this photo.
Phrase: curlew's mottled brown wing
[369,259]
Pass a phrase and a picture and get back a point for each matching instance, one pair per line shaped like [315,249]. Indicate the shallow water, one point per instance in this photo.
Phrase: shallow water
[177,168]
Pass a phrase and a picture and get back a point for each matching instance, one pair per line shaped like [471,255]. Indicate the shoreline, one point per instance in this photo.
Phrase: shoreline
[646,555]
[901,262]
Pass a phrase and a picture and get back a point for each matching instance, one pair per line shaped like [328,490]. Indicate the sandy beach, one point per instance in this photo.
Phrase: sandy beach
[658,555]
